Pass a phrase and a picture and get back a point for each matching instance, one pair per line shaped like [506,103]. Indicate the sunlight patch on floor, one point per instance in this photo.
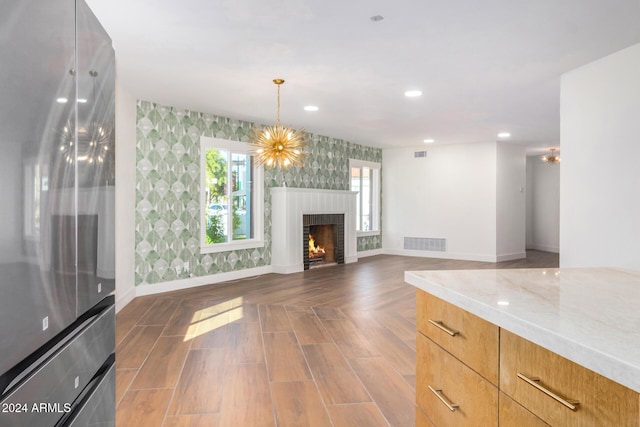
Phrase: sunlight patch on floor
[214,317]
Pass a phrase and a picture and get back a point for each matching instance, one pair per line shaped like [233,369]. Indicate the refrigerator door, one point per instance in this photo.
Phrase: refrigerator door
[98,409]
[50,388]
[96,160]
[37,171]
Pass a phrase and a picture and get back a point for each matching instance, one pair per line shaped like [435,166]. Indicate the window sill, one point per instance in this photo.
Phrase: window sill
[233,246]
[368,233]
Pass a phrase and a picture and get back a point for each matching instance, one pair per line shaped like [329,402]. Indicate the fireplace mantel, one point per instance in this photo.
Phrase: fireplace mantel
[287,207]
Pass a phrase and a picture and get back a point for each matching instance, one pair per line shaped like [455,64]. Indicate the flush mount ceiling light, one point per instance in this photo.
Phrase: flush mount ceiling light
[504,135]
[413,93]
[276,145]
[552,157]
[311,108]
[429,141]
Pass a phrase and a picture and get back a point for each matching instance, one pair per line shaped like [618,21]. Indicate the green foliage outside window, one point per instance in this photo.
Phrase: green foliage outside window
[227,175]
[216,175]
[215,230]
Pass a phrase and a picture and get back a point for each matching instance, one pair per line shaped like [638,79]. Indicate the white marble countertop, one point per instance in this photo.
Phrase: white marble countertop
[588,315]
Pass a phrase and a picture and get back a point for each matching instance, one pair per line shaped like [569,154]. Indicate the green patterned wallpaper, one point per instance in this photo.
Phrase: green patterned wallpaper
[168,185]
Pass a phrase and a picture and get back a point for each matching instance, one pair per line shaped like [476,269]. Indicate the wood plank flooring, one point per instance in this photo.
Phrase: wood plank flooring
[331,346]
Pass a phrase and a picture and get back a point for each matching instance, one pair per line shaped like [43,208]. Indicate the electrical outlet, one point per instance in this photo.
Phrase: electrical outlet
[45,323]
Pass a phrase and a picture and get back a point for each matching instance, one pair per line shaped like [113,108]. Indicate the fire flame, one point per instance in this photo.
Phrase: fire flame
[313,249]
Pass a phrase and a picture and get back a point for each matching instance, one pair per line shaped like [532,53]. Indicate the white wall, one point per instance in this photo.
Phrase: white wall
[125,195]
[543,205]
[510,201]
[449,194]
[600,186]
[529,205]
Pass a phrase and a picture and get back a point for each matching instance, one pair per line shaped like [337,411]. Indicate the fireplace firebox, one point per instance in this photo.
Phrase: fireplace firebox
[323,240]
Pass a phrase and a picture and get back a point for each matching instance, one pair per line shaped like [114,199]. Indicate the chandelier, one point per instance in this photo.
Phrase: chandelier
[552,157]
[276,145]
[93,143]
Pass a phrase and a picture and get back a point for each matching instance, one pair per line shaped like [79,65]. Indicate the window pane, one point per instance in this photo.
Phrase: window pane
[355,186]
[366,199]
[231,197]
[365,180]
[217,201]
[242,196]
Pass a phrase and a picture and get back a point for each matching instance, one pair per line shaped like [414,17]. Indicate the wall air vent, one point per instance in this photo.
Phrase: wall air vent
[425,244]
[420,154]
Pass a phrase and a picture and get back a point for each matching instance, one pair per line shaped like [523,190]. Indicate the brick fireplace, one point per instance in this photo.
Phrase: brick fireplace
[326,233]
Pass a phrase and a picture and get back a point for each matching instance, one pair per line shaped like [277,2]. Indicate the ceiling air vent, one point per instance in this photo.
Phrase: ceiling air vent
[420,154]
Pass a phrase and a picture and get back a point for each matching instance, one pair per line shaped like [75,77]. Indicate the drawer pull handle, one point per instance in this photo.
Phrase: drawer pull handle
[438,392]
[438,324]
[535,382]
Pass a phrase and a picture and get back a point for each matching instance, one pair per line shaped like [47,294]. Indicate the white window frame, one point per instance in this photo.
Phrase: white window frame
[375,195]
[208,143]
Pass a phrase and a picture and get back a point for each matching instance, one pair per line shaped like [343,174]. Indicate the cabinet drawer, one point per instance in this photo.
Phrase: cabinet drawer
[602,402]
[443,380]
[474,340]
[514,415]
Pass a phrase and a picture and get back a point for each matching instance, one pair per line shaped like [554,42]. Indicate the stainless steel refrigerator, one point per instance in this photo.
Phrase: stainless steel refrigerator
[57,218]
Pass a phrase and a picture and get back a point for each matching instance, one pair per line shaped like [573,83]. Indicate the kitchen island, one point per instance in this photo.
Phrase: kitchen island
[548,346]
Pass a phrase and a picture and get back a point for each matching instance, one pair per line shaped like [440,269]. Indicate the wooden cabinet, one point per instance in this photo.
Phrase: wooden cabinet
[457,365]
[511,414]
[469,338]
[470,372]
[559,391]
[449,392]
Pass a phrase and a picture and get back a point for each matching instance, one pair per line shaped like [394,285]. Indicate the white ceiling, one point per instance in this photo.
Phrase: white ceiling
[483,66]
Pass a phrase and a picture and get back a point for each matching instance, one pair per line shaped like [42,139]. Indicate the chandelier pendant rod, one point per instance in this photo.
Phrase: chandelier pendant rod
[278,82]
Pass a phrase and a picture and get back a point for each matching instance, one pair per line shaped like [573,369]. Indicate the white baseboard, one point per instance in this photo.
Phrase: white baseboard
[457,256]
[350,259]
[125,298]
[287,269]
[192,282]
[544,248]
[510,257]
[373,252]
[441,255]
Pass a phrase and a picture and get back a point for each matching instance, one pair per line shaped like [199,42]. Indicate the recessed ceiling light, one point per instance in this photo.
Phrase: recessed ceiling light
[412,93]
[82,100]
[429,141]
[311,108]
[504,135]
[61,100]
